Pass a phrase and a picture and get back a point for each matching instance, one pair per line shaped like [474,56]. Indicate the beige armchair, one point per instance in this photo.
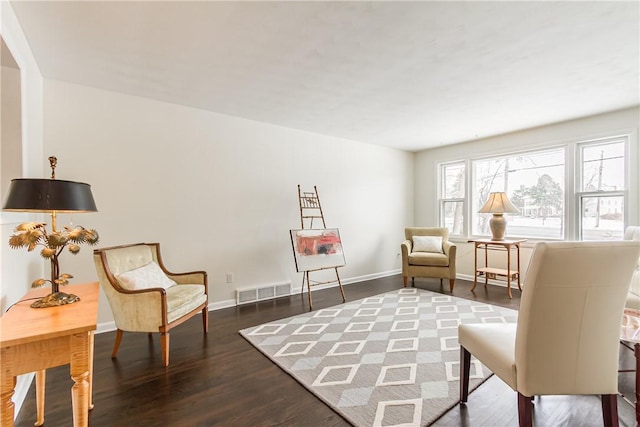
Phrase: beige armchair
[566,338]
[433,256]
[144,296]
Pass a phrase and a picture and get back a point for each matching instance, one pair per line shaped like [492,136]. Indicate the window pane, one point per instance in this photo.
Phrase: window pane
[489,176]
[534,182]
[452,214]
[602,218]
[603,167]
[453,178]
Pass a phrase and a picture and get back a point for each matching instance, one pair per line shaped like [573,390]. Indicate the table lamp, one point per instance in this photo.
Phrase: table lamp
[51,196]
[498,204]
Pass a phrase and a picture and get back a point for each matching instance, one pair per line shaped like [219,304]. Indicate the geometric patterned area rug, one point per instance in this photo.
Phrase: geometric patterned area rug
[386,360]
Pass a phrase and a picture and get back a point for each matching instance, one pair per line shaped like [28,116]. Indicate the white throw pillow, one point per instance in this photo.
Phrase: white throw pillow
[145,277]
[427,244]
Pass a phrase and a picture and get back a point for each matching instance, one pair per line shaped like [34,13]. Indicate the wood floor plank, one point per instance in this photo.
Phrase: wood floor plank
[221,380]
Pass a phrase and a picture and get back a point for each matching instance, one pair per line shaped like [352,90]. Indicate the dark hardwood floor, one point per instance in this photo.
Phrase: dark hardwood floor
[221,380]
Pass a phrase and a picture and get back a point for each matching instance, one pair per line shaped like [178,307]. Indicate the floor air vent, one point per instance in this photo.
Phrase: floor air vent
[262,293]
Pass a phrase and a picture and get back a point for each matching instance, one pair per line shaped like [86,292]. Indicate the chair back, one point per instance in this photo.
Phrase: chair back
[118,259]
[570,316]
[409,232]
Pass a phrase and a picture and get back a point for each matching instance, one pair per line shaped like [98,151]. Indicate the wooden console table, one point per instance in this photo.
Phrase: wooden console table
[494,273]
[34,339]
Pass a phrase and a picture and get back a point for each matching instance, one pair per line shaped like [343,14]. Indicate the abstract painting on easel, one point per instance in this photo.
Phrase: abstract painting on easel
[317,249]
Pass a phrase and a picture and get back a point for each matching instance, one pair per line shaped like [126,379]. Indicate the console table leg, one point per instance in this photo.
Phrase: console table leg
[41,377]
[518,252]
[475,267]
[80,375]
[8,385]
[509,272]
[636,352]
[486,264]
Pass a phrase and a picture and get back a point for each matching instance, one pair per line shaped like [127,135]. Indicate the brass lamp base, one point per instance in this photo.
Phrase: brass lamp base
[56,299]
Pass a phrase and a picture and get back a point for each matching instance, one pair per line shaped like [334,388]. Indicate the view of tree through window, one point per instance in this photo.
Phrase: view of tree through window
[534,182]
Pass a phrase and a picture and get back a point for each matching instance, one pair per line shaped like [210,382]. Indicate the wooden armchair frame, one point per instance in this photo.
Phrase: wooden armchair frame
[153,295]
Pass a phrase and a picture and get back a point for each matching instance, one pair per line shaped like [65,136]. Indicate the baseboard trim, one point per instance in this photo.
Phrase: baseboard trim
[24,381]
[349,281]
[219,305]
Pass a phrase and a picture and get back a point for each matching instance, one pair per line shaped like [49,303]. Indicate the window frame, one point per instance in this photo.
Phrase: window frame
[443,200]
[506,155]
[573,196]
[580,194]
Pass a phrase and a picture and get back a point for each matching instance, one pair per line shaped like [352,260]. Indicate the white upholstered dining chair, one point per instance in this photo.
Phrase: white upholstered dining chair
[566,339]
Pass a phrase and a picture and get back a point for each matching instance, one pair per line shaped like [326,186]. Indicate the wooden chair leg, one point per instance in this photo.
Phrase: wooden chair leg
[164,345]
[413,282]
[451,283]
[465,368]
[116,345]
[525,411]
[205,320]
[441,282]
[404,281]
[41,377]
[610,410]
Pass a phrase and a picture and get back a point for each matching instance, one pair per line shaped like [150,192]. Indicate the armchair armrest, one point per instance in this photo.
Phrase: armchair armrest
[450,250]
[190,278]
[405,248]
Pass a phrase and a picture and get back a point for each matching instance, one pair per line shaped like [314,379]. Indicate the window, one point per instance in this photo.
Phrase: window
[534,182]
[453,181]
[575,191]
[602,188]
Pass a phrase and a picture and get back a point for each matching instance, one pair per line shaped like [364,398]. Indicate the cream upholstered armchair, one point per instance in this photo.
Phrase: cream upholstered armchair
[566,338]
[144,296]
[427,252]
[633,298]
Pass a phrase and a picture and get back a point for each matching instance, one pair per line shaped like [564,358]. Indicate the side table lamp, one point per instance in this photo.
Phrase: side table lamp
[498,204]
[51,196]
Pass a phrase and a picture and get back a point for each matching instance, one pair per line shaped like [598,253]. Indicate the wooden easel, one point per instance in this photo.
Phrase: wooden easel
[310,209]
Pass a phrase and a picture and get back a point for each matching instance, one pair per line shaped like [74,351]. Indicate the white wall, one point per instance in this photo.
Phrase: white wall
[426,162]
[17,270]
[220,193]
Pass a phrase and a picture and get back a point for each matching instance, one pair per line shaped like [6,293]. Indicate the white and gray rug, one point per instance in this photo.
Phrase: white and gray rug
[386,360]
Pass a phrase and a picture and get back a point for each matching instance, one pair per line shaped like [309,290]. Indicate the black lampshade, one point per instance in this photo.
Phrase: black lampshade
[47,195]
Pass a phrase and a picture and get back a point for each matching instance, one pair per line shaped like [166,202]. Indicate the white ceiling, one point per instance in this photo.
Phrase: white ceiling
[408,75]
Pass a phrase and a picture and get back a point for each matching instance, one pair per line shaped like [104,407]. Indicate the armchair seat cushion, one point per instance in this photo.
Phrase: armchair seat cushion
[494,345]
[428,259]
[183,299]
